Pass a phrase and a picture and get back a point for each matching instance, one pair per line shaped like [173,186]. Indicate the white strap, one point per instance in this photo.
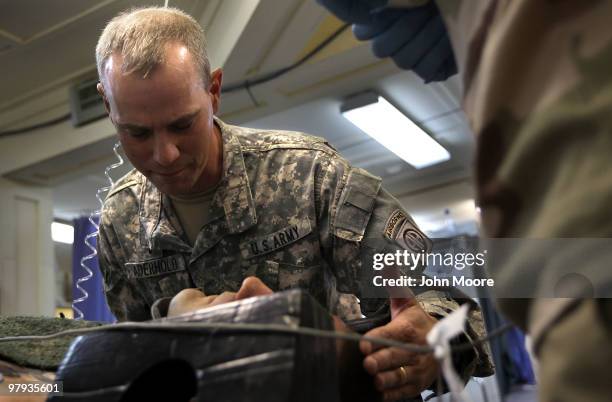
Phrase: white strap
[439,339]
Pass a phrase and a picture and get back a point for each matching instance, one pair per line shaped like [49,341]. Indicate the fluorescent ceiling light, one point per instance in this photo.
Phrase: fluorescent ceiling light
[375,116]
[62,233]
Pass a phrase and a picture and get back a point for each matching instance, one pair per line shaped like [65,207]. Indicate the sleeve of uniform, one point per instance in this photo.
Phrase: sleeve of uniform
[364,219]
[476,362]
[122,300]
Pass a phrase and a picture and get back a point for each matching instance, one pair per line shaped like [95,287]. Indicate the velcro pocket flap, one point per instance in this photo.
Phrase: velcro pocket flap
[356,205]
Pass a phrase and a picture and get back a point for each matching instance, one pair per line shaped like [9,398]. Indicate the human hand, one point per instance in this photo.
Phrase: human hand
[415,37]
[190,300]
[399,373]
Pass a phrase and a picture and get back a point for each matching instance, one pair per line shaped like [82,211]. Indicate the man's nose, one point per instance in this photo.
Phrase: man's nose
[166,150]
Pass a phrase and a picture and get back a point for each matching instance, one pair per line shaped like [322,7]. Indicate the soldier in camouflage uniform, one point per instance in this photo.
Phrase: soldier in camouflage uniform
[284,206]
[538,95]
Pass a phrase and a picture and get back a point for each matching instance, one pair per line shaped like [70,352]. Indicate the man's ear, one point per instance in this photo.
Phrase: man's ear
[100,89]
[216,78]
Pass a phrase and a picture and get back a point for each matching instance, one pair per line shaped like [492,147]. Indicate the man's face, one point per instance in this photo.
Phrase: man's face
[165,121]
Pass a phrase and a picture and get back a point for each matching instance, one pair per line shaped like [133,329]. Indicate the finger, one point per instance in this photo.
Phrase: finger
[182,301]
[446,69]
[379,23]
[192,305]
[252,286]
[412,52]
[390,379]
[388,359]
[402,33]
[201,303]
[367,347]
[384,332]
[189,294]
[224,297]
[390,331]
[434,60]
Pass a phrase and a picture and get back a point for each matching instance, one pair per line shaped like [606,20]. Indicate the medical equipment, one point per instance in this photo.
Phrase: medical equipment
[94,219]
[236,358]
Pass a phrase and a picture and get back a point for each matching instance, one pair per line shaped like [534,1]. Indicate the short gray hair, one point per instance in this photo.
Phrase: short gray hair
[140,36]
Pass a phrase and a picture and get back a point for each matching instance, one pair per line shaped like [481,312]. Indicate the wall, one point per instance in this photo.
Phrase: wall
[27,278]
[63,272]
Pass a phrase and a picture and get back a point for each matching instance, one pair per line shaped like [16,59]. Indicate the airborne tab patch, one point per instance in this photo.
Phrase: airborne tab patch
[402,230]
[273,241]
[160,266]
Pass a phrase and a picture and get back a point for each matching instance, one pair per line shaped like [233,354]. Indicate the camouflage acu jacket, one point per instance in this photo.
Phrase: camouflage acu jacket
[289,209]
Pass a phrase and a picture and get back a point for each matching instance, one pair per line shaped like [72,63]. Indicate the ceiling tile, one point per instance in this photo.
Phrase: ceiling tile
[27,18]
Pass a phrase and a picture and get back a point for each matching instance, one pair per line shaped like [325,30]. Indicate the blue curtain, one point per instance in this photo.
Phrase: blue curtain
[522,372]
[512,364]
[94,308]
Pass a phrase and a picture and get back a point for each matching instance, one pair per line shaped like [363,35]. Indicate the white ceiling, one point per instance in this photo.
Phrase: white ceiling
[44,42]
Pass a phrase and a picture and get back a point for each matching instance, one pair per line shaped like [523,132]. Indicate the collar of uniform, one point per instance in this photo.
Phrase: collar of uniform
[234,191]
[158,229]
[149,212]
[233,198]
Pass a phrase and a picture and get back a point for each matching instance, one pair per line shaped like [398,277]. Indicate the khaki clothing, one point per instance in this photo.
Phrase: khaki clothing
[193,213]
[289,209]
[538,95]
[569,376]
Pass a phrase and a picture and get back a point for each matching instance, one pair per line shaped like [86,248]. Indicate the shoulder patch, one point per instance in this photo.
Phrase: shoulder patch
[396,217]
[117,189]
[400,228]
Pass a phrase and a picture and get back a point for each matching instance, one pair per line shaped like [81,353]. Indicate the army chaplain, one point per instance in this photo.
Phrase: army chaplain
[210,204]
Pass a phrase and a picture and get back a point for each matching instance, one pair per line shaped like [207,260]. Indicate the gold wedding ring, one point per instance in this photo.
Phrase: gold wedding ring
[403,375]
